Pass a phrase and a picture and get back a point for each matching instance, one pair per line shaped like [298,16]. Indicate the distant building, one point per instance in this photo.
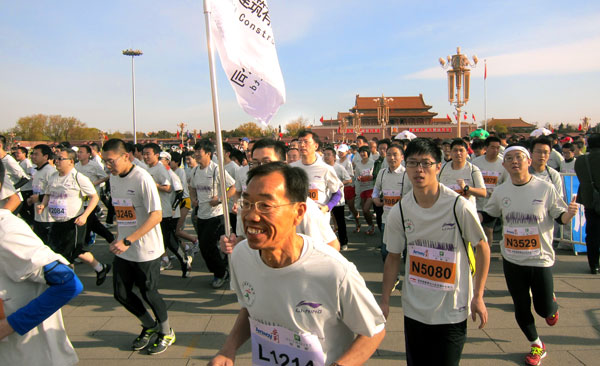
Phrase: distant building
[405,113]
[513,125]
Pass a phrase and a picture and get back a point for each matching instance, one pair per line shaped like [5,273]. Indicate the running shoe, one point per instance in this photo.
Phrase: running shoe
[145,337]
[165,265]
[344,247]
[162,343]
[219,282]
[92,240]
[196,248]
[101,276]
[187,268]
[552,319]
[534,357]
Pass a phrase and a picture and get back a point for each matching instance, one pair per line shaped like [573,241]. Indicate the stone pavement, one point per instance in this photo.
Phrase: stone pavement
[101,330]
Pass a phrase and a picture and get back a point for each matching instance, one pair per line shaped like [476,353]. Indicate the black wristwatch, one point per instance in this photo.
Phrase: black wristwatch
[126,242]
[466,189]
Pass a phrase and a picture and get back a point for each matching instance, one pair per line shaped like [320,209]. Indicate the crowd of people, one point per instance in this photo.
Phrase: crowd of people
[435,203]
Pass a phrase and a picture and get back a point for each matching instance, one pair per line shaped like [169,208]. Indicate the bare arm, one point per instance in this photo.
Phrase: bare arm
[361,349]
[12,202]
[482,264]
[238,335]
[390,274]
[164,187]
[81,220]
[118,247]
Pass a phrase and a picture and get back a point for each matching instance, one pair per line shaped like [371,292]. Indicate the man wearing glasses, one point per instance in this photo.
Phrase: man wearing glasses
[64,197]
[540,153]
[138,247]
[302,302]
[528,206]
[434,224]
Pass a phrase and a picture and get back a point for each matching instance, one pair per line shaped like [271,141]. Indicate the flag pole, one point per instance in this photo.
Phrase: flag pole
[216,118]
[485,94]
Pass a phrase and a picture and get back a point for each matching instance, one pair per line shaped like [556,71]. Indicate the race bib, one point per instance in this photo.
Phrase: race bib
[433,269]
[124,211]
[313,191]
[390,198]
[490,178]
[365,175]
[57,207]
[278,346]
[522,241]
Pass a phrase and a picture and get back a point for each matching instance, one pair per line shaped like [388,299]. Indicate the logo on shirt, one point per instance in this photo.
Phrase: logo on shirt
[537,202]
[506,202]
[248,293]
[130,192]
[309,307]
[448,226]
[409,226]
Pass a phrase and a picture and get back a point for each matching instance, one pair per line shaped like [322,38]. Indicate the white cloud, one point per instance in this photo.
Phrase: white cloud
[572,58]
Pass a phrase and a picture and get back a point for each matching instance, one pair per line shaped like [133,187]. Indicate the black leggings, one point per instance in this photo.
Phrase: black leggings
[209,231]
[521,279]
[93,224]
[171,242]
[144,275]
[338,213]
[448,340]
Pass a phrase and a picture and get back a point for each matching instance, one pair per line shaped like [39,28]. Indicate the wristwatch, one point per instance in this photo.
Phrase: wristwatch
[126,242]
[466,189]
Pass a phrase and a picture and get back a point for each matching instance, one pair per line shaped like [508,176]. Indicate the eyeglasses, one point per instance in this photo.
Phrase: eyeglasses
[425,164]
[541,152]
[60,158]
[261,206]
[112,161]
[518,157]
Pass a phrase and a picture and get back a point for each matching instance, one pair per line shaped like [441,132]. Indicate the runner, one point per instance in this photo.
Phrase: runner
[540,152]
[138,247]
[35,283]
[64,197]
[185,206]
[293,288]
[379,164]
[26,211]
[329,157]
[363,177]
[528,206]
[461,176]
[43,170]
[435,225]
[205,193]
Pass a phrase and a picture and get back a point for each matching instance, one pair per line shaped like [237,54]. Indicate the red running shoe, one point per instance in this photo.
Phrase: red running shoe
[534,357]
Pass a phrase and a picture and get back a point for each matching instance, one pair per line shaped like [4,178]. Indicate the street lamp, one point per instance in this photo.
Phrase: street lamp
[458,76]
[343,127]
[181,127]
[133,53]
[356,121]
[383,112]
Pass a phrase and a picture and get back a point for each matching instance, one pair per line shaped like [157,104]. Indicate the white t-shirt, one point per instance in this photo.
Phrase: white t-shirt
[134,197]
[567,166]
[177,186]
[66,194]
[39,185]
[206,182]
[140,163]
[343,176]
[162,177]
[92,170]
[184,181]
[528,212]
[22,260]
[27,166]
[551,176]
[555,159]
[347,164]
[321,294]
[322,180]
[438,286]
[392,185]
[232,169]
[13,170]
[241,175]
[493,174]
[363,170]
[469,173]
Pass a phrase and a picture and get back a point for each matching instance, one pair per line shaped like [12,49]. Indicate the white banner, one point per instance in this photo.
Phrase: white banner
[242,32]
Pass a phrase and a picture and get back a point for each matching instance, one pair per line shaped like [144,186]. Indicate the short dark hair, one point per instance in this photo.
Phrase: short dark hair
[3,172]
[176,158]
[154,147]
[330,148]
[23,150]
[278,146]
[396,146]
[3,141]
[314,136]
[115,145]
[205,145]
[542,140]
[384,141]
[238,156]
[138,147]
[95,146]
[568,146]
[364,148]
[70,153]
[44,149]
[502,135]
[361,137]
[129,147]
[594,141]
[423,146]
[296,180]
[491,139]
[86,148]
[227,147]
[459,142]
[478,144]
[579,144]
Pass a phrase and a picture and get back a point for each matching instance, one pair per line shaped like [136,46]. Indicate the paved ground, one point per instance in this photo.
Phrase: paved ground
[102,331]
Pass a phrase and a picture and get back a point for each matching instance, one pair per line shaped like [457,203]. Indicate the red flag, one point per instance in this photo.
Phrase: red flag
[177,133]
[321,119]
[472,115]
[465,116]
[579,128]
[448,117]
[485,72]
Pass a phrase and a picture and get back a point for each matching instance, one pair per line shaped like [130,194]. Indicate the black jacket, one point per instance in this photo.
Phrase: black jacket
[584,194]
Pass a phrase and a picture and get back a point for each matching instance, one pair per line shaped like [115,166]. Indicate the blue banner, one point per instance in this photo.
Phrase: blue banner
[571,184]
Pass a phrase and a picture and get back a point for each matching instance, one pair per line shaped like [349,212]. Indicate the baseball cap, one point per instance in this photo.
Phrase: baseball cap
[165,155]
[245,139]
[343,148]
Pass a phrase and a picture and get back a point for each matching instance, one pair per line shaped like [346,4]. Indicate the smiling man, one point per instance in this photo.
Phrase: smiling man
[292,287]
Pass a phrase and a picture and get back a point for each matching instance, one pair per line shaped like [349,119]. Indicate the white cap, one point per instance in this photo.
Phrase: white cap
[75,148]
[165,155]
[343,148]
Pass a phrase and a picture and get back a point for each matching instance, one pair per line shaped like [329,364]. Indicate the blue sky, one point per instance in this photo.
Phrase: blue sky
[64,57]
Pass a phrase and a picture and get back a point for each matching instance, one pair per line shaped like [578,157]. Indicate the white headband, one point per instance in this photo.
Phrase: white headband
[518,148]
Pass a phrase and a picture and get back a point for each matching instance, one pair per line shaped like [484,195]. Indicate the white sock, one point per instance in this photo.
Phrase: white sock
[98,267]
[537,342]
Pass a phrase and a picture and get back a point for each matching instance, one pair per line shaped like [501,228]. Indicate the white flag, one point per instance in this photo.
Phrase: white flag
[242,32]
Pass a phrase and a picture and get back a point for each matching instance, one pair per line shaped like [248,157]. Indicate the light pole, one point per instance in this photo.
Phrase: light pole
[344,126]
[181,127]
[458,76]
[133,53]
[356,121]
[383,112]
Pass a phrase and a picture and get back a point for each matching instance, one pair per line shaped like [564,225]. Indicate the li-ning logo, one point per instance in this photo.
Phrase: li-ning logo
[448,226]
[130,191]
[537,202]
[313,307]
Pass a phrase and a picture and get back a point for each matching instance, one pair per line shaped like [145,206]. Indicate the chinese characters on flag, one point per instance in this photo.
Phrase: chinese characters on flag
[243,36]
